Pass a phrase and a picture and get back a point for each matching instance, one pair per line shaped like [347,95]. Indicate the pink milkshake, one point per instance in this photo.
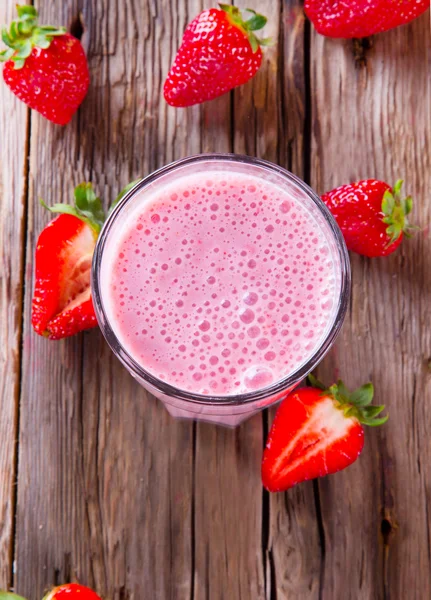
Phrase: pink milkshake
[221,279]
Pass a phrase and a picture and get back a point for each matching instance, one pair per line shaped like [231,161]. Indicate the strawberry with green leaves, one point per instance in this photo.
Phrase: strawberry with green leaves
[45,66]
[219,52]
[62,303]
[372,216]
[316,432]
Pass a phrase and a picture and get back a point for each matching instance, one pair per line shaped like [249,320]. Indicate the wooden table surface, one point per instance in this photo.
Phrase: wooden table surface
[97,482]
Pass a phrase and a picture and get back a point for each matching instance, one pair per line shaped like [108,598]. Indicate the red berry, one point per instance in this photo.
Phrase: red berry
[62,303]
[371,215]
[46,68]
[219,52]
[72,591]
[317,432]
[361,18]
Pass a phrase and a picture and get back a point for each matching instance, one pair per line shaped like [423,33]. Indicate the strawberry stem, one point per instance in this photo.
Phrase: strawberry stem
[254,23]
[355,404]
[25,34]
[87,206]
[396,209]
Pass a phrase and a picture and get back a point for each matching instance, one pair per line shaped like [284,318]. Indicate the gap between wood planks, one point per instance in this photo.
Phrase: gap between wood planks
[20,346]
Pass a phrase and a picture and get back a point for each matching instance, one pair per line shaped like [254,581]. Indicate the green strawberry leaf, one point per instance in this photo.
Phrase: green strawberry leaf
[388,203]
[24,50]
[314,382]
[6,54]
[25,34]
[10,596]
[88,207]
[26,12]
[375,422]
[6,37]
[363,396]
[256,21]
[342,390]
[372,411]
[396,210]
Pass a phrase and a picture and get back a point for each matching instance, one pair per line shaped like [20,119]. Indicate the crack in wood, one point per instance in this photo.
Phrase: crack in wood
[265,509]
[361,48]
[308,116]
[23,243]
[322,539]
[193,515]
[77,26]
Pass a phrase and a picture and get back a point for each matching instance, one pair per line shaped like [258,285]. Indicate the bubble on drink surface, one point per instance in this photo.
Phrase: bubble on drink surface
[262,343]
[253,331]
[285,207]
[204,325]
[247,316]
[258,377]
[250,298]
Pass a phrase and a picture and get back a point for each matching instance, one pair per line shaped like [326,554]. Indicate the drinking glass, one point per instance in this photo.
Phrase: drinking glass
[233,409]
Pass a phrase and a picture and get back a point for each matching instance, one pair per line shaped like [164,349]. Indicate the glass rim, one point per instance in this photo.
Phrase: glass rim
[276,388]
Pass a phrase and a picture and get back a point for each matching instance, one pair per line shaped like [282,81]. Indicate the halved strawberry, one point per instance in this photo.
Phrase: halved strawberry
[72,591]
[62,304]
[317,431]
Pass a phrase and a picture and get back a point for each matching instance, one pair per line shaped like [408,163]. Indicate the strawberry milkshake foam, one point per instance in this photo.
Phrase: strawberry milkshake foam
[220,282]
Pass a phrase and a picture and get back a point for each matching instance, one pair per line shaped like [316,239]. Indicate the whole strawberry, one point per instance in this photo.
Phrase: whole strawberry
[371,215]
[45,67]
[361,18]
[219,52]
[316,432]
[72,591]
[62,304]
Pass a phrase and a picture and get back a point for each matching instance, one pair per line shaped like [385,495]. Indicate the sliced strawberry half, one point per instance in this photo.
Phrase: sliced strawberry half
[62,303]
[317,431]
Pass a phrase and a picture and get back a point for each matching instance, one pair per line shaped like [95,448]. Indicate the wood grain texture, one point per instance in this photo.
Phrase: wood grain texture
[110,484]
[14,122]
[269,118]
[373,120]
[111,490]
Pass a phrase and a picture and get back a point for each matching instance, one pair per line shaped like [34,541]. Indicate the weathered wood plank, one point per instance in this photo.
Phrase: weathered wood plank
[14,131]
[294,553]
[51,523]
[111,494]
[374,121]
[228,497]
